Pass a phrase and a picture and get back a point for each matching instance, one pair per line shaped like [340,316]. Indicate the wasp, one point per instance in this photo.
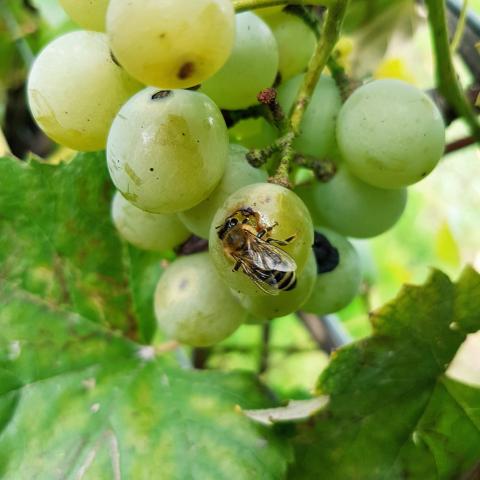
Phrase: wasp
[248,242]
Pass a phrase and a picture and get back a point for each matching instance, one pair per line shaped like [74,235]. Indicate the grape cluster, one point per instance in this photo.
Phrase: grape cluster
[146,80]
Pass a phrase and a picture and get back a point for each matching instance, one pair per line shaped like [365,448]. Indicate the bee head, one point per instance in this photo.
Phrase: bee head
[229,224]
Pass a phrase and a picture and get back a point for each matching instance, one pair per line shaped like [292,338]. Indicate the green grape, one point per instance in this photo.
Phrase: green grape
[192,304]
[390,134]
[75,89]
[238,174]
[88,14]
[171,44]
[253,133]
[266,307]
[277,207]
[296,43]
[167,149]
[251,67]
[148,231]
[337,281]
[317,136]
[267,11]
[352,207]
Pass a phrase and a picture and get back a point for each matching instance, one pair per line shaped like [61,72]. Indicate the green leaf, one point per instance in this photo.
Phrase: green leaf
[78,397]
[392,412]
[57,242]
[78,400]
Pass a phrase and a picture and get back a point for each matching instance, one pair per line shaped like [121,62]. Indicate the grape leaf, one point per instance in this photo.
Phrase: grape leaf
[392,413]
[77,401]
[57,242]
[79,398]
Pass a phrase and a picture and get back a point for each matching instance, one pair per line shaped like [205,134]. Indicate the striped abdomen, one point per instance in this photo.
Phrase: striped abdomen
[284,281]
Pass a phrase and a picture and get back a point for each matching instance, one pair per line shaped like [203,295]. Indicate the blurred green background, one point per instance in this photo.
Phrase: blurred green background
[439,228]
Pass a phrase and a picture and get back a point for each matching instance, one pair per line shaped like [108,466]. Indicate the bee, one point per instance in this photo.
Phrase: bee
[248,242]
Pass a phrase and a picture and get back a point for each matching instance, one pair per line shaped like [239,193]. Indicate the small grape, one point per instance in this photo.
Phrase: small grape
[171,44]
[89,15]
[267,11]
[352,207]
[193,305]
[253,133]
[147,231]
[238,174]
[167,149]
[390,134]
[337,281]
[317,136]
[265,307]
[296,43]
[251,67]
[277,206]
[75,89]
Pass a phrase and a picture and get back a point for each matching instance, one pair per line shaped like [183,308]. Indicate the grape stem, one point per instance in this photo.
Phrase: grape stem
[16,35]
[447,80]
[457,37]
[459,144]
[244,5]
[325,45]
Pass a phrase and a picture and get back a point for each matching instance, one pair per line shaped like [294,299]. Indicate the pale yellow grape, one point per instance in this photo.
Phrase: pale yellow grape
[264,307]
[335,289]
[75,89]
[89,14]
[251,67]
[296,43]
[167,149]
[171,43]
[193,305]
[276,205]
[238,173]
[147,231]
[317,135]
[390,134]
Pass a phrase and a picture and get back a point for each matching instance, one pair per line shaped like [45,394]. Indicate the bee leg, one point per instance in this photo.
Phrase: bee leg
[237,265]
[266,230]
[281,243]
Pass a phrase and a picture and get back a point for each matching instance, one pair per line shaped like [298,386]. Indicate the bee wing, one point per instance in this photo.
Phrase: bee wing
[268,257]
[260,278]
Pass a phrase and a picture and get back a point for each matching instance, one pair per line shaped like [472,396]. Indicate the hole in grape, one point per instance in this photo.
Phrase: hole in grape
[114,59]
[326,254]
[161,94]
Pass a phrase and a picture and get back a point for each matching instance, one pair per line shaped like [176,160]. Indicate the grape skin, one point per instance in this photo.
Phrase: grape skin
[147,231]
[88,14]
[253,133]
[317,135]
[251,67]
[171,43]
[75,89]
[167,150]
[352,207]
[390,134]
[238,173]
[193,305]
[336,289]
[293,55]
